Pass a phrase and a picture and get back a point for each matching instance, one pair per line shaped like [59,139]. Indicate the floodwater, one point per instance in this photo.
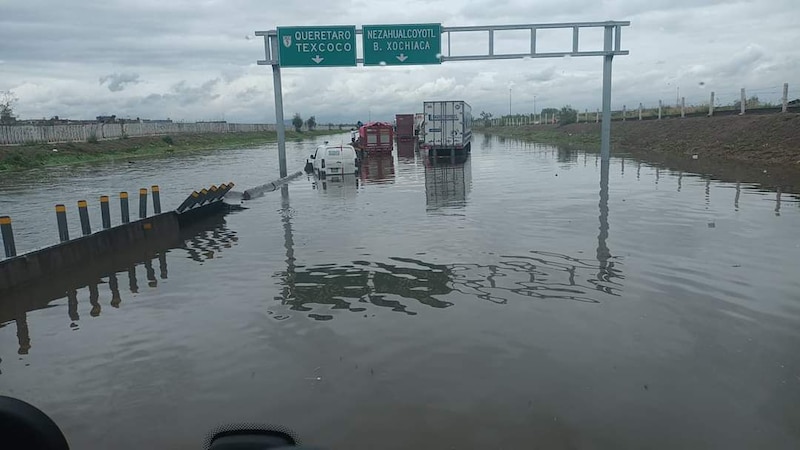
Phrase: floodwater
[528,297]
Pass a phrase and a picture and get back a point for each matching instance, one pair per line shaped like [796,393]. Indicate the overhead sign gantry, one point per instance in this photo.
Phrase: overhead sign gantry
[413,44]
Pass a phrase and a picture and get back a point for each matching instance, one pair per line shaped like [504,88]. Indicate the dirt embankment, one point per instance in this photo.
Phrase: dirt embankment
[765,139]
[763,149]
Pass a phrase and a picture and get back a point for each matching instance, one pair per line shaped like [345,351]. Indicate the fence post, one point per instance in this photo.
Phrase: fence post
[785,106]
[743,101]
[597,116]
[143,203]
[156,199]
[683,107]
[61,220]
[623,113]
[711,105]
[123,207]
[640,111]
[659,110]
[8,236]
[83,214]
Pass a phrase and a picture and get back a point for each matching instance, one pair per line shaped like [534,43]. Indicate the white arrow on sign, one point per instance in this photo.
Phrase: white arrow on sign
[317,59]
[402,57]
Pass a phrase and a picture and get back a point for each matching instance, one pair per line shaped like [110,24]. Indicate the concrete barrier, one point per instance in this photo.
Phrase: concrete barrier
[18,301]
[66,256]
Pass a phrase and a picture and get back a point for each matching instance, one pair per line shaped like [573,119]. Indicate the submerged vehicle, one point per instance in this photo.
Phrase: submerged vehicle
[374,137]
[330,159]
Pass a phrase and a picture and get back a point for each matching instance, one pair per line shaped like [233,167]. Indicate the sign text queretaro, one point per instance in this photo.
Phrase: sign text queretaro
[317,46]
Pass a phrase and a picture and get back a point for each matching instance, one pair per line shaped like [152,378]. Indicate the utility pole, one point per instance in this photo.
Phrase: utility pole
[534,105]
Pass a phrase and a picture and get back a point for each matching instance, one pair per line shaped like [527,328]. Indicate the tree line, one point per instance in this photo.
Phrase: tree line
[7,100]
[297,122]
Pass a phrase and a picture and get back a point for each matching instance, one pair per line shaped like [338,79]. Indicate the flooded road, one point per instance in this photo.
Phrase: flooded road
[525,297]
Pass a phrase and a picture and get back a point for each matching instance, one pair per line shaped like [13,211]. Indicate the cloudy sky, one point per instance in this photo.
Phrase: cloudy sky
[195,60]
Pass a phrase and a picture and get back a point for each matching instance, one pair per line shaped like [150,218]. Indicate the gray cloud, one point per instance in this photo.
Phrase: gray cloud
[117,81]
[193,60]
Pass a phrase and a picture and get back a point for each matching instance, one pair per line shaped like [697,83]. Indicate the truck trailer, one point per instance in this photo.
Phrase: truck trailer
[404,127]
[448,127]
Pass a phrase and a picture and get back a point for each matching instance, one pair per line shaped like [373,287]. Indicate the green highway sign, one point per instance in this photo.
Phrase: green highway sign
[317,46]
[402,44]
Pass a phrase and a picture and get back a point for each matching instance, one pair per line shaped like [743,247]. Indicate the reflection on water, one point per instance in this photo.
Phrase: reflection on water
[343,187]
[406,149]
[607,270]
[377,169]
[404,284]
[447,184]
[207,239]
[353,286]
[200,241]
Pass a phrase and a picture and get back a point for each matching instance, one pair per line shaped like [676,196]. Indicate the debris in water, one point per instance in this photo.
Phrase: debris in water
[695,156]
[712,225]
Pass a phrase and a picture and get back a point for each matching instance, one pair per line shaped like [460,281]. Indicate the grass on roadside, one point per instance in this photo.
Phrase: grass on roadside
[544,135]
[46,155]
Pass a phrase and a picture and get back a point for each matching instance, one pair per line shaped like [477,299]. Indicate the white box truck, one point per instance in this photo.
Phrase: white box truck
[448,126]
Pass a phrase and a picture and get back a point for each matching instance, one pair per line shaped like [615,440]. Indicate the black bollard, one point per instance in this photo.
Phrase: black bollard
[94,300]
[8,236]
[203,196]
[156,199]
[150,273]
[83,213]
[113,284]
[189,202]
[132,283]
[72,307]
[105,211]
[123,207]
[143,203]
[212,193]
[162,265]
[61,219]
